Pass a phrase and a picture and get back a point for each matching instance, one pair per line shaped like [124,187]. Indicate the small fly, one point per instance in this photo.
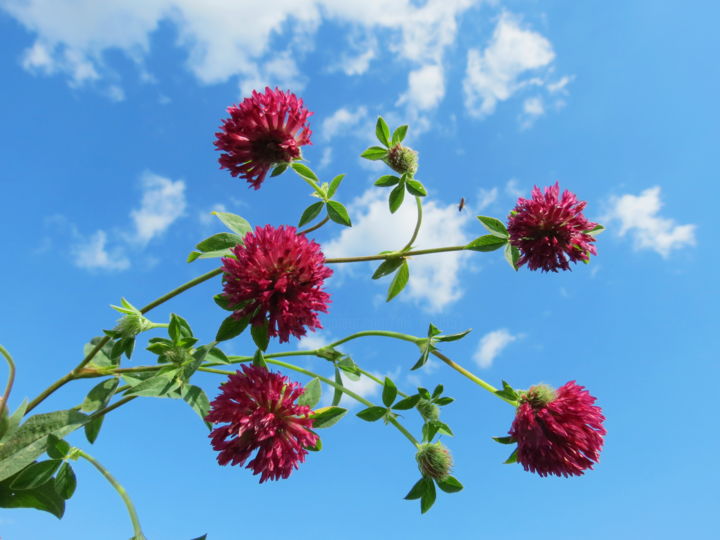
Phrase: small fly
[462,204]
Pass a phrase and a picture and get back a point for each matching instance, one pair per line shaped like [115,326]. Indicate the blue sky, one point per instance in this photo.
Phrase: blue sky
[108,115]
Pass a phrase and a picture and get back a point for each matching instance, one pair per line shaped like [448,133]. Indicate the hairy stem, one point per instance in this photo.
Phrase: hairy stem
[121,491]
[474,378]
[315,227]
[10,381]
[418,201]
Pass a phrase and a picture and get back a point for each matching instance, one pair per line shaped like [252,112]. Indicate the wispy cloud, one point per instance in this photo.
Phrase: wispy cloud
[426,87]
[342,121]
[639,218]
[162,203]
[434,279]
[91,253]
[491,345]
[511,61]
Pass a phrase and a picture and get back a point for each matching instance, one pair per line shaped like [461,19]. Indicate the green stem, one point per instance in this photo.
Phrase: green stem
[477,380]
[377,380]
[418,201]
[329,382]
[118,403]
[121,491]
[315,227]
[394,254]
[380,333]
[10,381]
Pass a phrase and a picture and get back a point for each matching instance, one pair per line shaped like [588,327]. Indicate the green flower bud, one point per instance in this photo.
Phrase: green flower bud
[402,159]
[539,395]
[434,460]
[132,324]
[428,410]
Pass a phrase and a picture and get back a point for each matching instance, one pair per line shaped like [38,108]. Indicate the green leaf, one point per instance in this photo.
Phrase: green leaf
[279,169]
[505,440]
[512,255]
[222,301]
[235,223]
[231,327]
[338,213]
[512,458]
[418,489]
[211,254]
[444,401]
[399,135]
[494,226]
[372,414]
[178,328]
[92,428]
[36,474]
[100,395]
[374,153]
[597,229]
[218,356]
[389,392]
[387,180]
[334,185]
[327,416]
[310,213]
[454,337]
[388,266]
[57,448]
[399,281]
[160,385]
[433,330]
[312,394]
[396,198]
[416,188]
[198,401]
[507,391]
[438,390]
[31,439]
[259,333]
[489,242]
[350,368]
[65,481]
[382,131]
[428,498]
[337,392]
[304,171]
[219,241]
[192,256]
[407,403]
[9,424]
[449,484]
[104,357]
[43,498]
[443,428]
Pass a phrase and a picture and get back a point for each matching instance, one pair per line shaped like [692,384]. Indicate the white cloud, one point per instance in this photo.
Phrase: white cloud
[638,217]
[426,87]
[485,198]
[206,217]
[91,254]
[163,202]
[230,39]
[491,345]
[342,121]
[434,279]
[326,158]
[500,70]
[533,108]
[313,340]
[512,188]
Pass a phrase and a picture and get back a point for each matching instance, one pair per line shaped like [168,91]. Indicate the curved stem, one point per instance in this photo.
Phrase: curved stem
[121,491]
[11,379]
[316,227]
[418,201]
[329,382]
[380,333]
[477,380]
[387,255]
[118,403]
[182,288]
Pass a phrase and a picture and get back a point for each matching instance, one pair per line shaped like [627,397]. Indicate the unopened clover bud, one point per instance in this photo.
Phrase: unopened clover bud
[428,410]
[539,395]
[402,159]
[434,460]
[132,324]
